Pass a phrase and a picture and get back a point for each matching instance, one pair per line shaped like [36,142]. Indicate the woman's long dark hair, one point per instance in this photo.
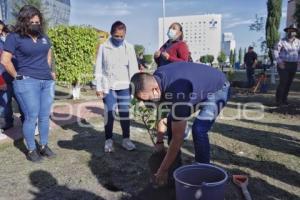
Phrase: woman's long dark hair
[23,21]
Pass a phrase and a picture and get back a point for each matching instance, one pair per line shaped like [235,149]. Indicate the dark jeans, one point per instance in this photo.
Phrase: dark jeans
[35,97]
[250,76]
[6,106]
[114,99]
[204,121]
[286,77]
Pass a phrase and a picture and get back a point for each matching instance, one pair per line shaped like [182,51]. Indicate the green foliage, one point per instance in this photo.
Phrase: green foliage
[74,51]
[240,55]
[203,59]
[207,59]
[148,59]
[210,59]
[258,24]
[232,57]
[222,58]
[146,114]
[273,24]
[139,49]
[230,75]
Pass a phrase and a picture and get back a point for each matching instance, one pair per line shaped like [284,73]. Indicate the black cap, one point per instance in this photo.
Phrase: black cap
[291,27]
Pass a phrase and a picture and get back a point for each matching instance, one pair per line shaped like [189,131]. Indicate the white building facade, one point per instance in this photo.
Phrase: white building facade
[55,11]
[228,44]
[290,12]
[202,33]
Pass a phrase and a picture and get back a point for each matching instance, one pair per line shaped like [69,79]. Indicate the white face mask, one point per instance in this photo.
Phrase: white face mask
[172,34]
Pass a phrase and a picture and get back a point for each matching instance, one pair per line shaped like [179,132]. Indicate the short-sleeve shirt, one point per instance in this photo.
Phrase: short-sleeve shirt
[32,57]
[249,59]
[184,85]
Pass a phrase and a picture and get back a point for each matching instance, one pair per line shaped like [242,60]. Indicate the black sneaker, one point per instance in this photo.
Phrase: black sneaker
[47,152]
[34,156]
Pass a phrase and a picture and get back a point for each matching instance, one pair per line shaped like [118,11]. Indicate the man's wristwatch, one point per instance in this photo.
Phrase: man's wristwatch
[19,77]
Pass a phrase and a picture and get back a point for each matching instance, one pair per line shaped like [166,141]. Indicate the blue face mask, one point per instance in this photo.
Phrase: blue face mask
[117,42]
[172,34]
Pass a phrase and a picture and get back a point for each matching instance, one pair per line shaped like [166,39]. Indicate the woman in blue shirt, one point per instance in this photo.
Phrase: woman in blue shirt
[33,79]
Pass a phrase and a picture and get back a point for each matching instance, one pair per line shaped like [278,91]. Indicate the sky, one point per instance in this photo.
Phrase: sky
[141,17]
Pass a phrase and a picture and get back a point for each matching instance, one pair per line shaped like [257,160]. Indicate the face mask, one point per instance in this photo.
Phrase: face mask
[117,42]
[3,38]
[172,34]
[35,29]
[291,35]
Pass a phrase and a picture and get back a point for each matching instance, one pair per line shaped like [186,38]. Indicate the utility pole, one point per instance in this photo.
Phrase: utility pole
[164,16]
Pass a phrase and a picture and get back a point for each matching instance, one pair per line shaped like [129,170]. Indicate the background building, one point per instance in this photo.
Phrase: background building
[290,12]
[55,11]
[202,33]
[228,44]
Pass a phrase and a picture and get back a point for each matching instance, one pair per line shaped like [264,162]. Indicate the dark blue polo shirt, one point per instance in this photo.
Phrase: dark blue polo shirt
[187,84]
[32,58]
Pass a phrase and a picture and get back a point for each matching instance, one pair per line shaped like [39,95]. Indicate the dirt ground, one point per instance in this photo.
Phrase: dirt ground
[267,150]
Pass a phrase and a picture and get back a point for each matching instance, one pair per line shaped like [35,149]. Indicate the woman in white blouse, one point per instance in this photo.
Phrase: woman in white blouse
[116,64]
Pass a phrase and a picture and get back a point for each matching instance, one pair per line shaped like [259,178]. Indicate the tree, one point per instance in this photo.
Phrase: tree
[240,56]
[210,59]
[74,49]
[207,59]
[203,59]
[273,24]
[231,57]
[234,57]
[222,59]
[148,59]
[258,24]
[139,49]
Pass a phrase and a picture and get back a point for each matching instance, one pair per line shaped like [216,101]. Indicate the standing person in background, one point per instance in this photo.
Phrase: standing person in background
[287,55]
[116,64]
[175,49]
[7,92]
[250,60]
[33,79]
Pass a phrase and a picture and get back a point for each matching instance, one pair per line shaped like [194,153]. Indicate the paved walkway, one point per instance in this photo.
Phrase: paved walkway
[62,114]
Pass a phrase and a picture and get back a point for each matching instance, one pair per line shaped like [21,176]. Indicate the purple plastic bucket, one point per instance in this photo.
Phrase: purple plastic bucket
[200,182]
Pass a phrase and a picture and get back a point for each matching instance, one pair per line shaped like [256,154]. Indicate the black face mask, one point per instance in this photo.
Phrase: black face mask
[35,29]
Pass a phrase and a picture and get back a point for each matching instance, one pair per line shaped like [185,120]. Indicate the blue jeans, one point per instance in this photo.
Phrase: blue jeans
[114,99]
[6,105]
[35,97]
[210,110]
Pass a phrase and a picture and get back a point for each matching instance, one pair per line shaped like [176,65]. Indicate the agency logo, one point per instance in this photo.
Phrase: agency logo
[213,23]
[44,41]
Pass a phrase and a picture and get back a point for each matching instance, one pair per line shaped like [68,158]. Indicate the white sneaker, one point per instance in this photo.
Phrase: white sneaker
[109,146]
[128,145]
